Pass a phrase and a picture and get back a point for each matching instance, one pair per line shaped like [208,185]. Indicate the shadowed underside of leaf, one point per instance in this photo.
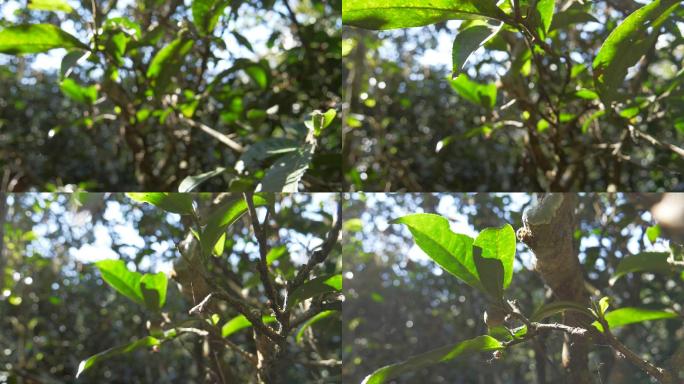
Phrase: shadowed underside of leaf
[627,44]
[470,346]
[655,262]
[36,38]
[467,41]
[390,14]
[284,175]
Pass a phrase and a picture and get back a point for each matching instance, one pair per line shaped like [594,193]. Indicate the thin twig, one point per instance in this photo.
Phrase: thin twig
[262,265]
[322,252]
[234,145]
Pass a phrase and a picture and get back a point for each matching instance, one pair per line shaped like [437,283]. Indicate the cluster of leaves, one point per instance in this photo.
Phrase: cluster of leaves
[153,75]
[549,96]
[56,309]
[485,263]
[150,290]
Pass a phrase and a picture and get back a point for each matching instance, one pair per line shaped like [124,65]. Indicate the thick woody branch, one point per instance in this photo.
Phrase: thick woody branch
[548,229]
[253,316]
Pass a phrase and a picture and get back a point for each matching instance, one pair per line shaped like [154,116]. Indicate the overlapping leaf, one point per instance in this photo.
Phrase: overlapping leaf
[391,14]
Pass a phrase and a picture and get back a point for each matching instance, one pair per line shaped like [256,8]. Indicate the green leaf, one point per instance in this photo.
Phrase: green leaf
[36,38]
[69,61]
[320,316]
[78,93]
[573,15]
[315,287]
[222,218]
[491,274]
[275,253]
[284,175]
[153,289]
[391,14]
[147,289]
[167,62]
[556,307]
[262,150]
[626,44]
[499,243]
[655,262]
[206,13]
[239,323]
[481,94]
[191,182]
[603,305]
[450,352]
[127,283]
[544,14]
[587,94]
[320,121]
[172,202]
[451,251]
[653,233]
[631,315]
[468,40]
[50,5]
[120,350]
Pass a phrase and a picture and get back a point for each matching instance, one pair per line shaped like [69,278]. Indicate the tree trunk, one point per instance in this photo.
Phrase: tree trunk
[548,229]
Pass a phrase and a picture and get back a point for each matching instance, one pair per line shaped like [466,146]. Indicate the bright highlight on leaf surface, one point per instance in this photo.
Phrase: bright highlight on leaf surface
[627,44]
[36,38]
[391,14]
[148,289]
[470,260]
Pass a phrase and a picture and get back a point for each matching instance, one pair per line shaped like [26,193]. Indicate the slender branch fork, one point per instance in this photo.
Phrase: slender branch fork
[534,329]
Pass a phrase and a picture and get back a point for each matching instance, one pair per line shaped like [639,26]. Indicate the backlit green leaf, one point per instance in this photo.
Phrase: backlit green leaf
[544,14]
[36,38]
[499,243]
[206,13]
[153,289]
[653,233]
[127,283]
[390,14]
[222,218]
[120,350]
[627,43]
[172,202]
[452,251]
[481,94]
[450,352]
[239,323]
[631,315]
[50,5]
[78,93]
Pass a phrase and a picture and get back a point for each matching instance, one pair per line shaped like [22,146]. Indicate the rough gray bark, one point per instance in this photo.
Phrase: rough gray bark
[547,230]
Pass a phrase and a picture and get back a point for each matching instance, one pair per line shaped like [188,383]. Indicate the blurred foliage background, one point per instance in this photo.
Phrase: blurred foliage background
[134,136]
[407,129]
[399,303]
[55,309]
